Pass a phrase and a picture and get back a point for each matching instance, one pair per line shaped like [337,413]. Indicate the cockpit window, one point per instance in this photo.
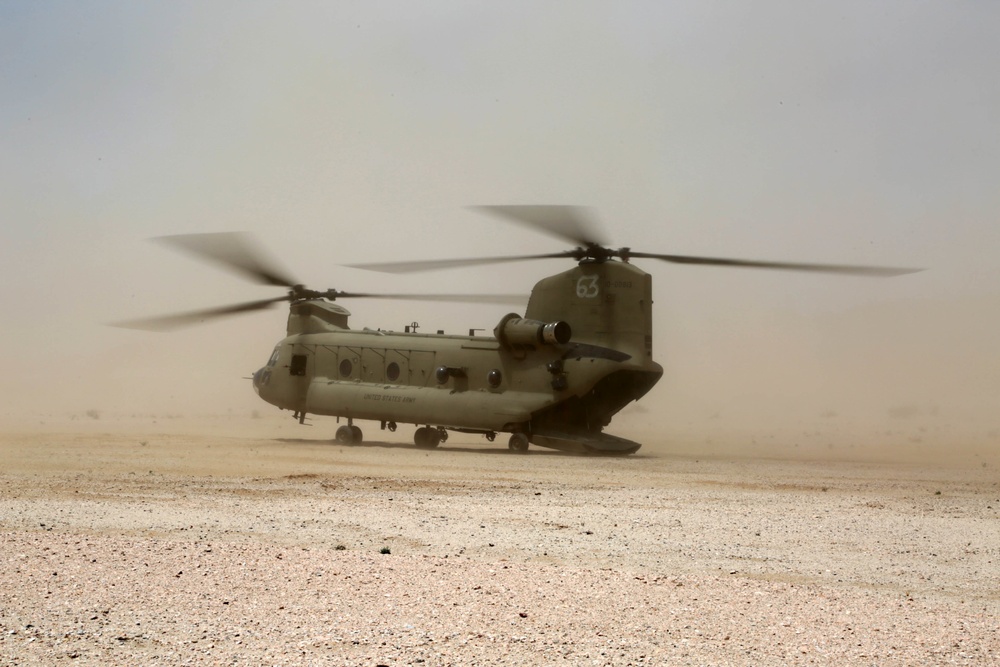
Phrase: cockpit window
[274,357]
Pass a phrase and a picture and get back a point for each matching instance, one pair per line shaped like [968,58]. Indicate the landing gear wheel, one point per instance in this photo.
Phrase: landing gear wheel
[426,437]
[357,435]
[345,435]
[518,443]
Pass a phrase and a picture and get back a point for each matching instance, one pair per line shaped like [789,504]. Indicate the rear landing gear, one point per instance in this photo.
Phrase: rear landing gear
[426,437]
[518,443]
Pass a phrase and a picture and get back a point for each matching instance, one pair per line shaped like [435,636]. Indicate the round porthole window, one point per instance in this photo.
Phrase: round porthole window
[392,371]
[494,377]
[346,367]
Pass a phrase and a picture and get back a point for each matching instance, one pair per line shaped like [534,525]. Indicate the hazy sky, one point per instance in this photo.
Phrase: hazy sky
[342,132]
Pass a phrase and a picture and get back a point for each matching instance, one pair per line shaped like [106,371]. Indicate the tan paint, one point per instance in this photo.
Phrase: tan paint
[546,387]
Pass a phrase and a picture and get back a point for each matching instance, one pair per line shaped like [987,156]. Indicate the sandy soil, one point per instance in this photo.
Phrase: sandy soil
[246,542]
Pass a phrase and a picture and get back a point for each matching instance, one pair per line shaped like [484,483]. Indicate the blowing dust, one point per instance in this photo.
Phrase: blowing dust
[916,380]
[904,379]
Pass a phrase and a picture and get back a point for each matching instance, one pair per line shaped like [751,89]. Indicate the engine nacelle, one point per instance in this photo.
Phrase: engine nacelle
[515,331]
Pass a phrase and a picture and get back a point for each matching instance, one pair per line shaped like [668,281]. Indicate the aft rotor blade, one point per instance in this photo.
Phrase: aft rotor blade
[569,223]
[436,264]
[844,269]
[456,298]
[236,251]
[178,320]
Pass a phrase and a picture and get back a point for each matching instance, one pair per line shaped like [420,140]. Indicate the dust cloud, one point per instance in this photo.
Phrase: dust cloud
[346,133]
[904,381]
[901,380]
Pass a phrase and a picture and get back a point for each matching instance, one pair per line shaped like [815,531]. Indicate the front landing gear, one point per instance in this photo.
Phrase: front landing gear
[349,435]
[518,443]
[426,437]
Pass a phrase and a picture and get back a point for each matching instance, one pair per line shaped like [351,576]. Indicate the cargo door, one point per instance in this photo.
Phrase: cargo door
[301,369]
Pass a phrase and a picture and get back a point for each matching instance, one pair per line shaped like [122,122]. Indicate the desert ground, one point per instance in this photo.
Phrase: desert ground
[248,541]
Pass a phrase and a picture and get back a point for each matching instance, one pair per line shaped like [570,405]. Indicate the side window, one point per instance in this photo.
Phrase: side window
[298,366]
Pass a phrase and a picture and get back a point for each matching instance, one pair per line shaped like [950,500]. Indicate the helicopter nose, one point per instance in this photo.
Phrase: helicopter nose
[259,380]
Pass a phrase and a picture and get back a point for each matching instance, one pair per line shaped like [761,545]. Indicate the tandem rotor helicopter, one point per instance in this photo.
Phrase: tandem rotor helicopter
[554,377]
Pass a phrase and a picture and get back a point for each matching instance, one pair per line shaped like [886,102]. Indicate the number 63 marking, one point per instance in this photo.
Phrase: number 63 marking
[586,287]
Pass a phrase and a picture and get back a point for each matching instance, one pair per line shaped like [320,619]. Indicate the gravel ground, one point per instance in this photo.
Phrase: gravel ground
[138,546]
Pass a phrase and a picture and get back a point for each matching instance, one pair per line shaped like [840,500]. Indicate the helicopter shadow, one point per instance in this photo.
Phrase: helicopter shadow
[375,444]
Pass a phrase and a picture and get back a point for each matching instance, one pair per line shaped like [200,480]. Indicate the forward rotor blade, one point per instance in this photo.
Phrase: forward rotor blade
[844,269]
[176,321]
[235,251]
[435,264]
[569,223]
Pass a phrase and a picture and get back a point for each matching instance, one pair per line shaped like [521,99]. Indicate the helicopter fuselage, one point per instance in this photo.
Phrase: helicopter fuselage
[582,352]
[555,377]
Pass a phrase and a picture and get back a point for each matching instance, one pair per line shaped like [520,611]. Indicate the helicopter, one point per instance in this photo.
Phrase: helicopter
[553,377]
